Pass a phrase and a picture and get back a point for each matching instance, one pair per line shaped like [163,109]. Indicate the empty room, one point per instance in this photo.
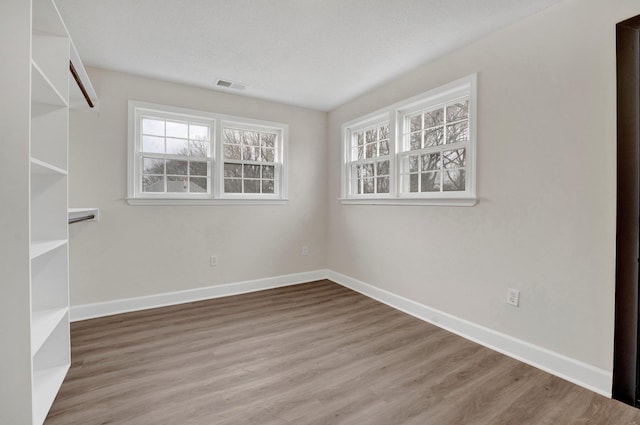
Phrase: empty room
[280,212]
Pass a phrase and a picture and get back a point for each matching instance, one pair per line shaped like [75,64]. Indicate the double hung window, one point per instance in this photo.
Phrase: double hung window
[418,151]
[368,165]
[250,160]
[184,156]
[435,145]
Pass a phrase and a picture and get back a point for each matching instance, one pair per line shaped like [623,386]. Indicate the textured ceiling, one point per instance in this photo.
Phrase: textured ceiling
[313,53]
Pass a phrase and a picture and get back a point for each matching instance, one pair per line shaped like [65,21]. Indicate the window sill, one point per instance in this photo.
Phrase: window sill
[202,202]
[439,202]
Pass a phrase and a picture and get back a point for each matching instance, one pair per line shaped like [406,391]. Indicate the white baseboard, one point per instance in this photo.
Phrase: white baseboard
[585,375]
[108,308]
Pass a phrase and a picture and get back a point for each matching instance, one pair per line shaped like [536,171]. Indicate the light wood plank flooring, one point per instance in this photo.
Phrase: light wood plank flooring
[311,354]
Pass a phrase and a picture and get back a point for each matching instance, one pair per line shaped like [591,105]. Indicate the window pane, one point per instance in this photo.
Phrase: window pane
[458,111]
[177,129]
[269,140]
[416,141]
[251,171]
[367,170]
[178,147]
[153,166]
[176,184]
[268,171]
[199,149]
[384,147]
[454,158]
[413,182]
[383,168]
[371,150]
[383,184]
[268,155]
[454,180]
[232,136]
[197,184]
[177,167]
[368,186]
[153,183]
[251,138]
[233,186]
[152,144]
[252,186]
[198,168]
[434,118]
[232,170]
[431,161]
[383,132]
[458,132]
[267,186]
[359,171]
[413,163]
[249,153]
[232,152]
[430,182]
[360,143]
[152,127]
[198,132]
[415,123]
[371,136]
[433,137]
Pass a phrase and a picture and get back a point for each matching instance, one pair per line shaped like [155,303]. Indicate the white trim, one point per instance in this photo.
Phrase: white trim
[206,201]
[108,308]
[453,202]
[582,374]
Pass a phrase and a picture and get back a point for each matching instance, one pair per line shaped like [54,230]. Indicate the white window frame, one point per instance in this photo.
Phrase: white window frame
[396,113]
[351,158]
[279,162]
[216,194]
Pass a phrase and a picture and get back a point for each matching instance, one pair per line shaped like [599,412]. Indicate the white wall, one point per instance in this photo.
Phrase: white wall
[144,250]
[545,223]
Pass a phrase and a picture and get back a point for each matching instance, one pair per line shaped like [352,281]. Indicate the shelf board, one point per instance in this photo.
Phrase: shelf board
[43,90]
[39,248]
[46,383]
[42,167]
[42,325]
[83,212]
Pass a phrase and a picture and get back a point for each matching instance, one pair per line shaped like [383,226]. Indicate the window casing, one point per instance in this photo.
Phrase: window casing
[431,150]
[368,171]
[181,156]
[250,158]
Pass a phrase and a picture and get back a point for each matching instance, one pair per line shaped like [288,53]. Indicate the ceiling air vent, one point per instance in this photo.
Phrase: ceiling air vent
[226,84]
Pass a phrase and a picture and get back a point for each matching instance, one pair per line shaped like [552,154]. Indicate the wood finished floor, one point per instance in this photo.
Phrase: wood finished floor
[316,354]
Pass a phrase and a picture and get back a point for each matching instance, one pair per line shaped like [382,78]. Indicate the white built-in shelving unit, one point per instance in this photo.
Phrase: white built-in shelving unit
[34,250]
[50,345]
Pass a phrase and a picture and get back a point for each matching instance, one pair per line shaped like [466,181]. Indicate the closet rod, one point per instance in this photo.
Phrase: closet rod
[78,219]
[80,85]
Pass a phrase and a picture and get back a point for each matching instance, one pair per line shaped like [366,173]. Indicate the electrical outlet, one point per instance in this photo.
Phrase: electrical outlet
[305,250]
[213,261]
[513,297]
